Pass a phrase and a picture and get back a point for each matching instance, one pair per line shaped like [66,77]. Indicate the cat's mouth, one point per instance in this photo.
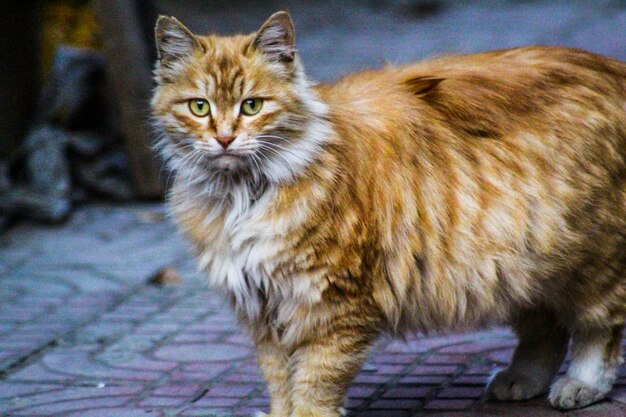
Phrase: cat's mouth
[229,161]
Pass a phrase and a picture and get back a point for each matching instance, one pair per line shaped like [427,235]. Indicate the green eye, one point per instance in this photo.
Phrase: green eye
[199,107]
[251,106]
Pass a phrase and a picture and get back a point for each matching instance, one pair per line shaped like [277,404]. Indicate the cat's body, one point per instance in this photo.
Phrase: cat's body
[451,193]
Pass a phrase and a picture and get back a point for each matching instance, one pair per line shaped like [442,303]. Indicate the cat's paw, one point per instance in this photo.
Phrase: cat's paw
[506,385]
[569,393]
[261,414]
[338,412]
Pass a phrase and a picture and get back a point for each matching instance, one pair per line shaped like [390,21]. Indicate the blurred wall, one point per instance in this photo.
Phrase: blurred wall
[19,71]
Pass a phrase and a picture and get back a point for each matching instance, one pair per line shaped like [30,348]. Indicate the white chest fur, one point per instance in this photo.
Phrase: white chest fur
[240,248]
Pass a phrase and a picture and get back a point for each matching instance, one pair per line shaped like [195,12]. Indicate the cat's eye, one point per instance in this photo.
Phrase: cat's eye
[251,106]
[199,107]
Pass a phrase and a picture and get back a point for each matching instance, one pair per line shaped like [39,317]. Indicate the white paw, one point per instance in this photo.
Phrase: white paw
[568,393]
[261,414]
[506,385]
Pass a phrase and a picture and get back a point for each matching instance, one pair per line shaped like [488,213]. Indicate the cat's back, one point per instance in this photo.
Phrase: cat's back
[562,105]
[515,84]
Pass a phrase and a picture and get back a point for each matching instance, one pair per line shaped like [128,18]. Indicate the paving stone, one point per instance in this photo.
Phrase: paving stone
[211,370]
[386,413]
[243,378]
[480,370]
[172,390]
[85,280]
[479,346]
[384,369]
[250,368]
[197,338]
[73,398]
[501,356]
[394,404]
[448,404]
[459,414]
[434,370]
[470,380]
[216,402]
[116,412]
[618,394]
[14,389]
[137,342]
[170,402]
[407,392]
[179,376]
[386,358]
[132,360]
[447,359]
[374,379]
[461,392]
[81,365]
[361,391]
[259,402]
[422,379]
[207,412]
[600,410]
[538,407]
[415,346]
[191,352]
[233,390]
[102,331]
[58,408]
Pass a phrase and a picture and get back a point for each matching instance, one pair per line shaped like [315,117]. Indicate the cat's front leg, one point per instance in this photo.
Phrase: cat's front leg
[322,369]
[272,359]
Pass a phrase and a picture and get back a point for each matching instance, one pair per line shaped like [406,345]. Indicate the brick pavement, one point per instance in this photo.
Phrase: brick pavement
[82,334]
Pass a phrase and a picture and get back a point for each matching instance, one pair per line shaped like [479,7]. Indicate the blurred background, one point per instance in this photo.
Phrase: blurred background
[75,75]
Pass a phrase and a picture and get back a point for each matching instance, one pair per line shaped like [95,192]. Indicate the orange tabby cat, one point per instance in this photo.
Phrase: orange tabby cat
[445,194]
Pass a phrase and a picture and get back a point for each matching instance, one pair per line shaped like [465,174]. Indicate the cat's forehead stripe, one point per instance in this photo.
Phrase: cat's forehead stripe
[239,82]
[237,72]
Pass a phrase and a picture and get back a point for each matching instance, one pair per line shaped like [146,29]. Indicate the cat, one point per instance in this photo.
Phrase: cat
[447,194]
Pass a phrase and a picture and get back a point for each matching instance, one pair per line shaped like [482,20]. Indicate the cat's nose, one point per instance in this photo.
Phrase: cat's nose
[225,140]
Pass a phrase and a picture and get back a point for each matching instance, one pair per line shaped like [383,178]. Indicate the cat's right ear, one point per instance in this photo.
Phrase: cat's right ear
[277,38]
[174,41]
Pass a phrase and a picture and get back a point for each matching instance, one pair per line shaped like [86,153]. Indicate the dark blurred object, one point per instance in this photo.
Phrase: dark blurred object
[126,47]
[423,9]
[72,151]
[19,71]
[67,22]
[165,276]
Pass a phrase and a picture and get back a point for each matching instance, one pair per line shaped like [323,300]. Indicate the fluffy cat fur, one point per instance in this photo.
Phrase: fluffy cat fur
[445,194]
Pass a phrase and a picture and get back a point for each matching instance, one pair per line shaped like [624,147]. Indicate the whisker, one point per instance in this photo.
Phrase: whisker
[271,136]
[277,154]
[268,146]
[178,164]
[277,145]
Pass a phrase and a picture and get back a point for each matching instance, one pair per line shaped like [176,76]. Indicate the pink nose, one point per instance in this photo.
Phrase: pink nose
[225,140]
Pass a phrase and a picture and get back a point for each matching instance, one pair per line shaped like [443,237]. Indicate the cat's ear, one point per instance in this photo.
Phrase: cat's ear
[277,38]
[174,41]
[421,86]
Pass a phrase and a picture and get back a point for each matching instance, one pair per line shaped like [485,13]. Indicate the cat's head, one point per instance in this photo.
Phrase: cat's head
[232,108]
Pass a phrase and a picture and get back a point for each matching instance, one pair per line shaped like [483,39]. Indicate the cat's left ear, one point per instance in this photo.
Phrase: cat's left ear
[277,38]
